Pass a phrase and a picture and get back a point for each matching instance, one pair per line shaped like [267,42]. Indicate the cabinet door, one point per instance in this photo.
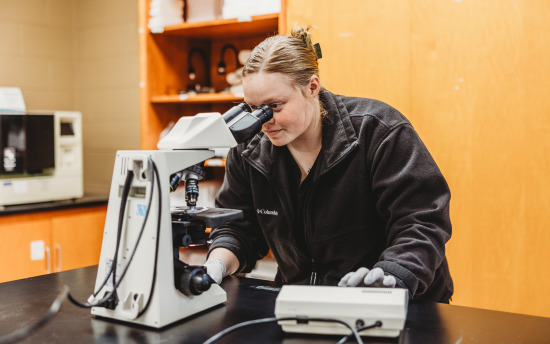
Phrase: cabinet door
[24,247]
[76,238]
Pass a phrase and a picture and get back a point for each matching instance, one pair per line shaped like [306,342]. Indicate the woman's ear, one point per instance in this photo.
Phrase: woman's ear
[314,85]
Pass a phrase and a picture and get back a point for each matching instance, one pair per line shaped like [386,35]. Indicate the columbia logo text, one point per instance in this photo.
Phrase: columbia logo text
[267,212]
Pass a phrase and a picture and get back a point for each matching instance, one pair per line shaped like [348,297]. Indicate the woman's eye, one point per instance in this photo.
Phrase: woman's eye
[275,106]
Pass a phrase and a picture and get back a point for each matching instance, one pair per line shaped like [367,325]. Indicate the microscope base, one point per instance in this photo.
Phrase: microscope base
[174,308]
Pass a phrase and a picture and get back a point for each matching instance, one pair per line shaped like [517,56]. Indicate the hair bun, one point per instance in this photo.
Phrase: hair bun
[302,34]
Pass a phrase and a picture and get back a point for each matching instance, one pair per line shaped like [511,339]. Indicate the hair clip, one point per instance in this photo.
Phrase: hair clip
[307,41]
[317,49]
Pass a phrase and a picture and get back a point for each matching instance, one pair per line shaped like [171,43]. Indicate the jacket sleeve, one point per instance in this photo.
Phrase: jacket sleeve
[242,237]
[413,199]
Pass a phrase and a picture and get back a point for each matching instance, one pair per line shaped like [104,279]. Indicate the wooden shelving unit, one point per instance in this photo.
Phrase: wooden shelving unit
[163,63]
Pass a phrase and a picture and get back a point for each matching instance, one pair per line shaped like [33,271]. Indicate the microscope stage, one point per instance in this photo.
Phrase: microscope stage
[211,217]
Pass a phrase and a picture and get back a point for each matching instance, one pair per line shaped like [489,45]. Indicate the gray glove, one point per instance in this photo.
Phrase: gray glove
[215,268]
[364,277]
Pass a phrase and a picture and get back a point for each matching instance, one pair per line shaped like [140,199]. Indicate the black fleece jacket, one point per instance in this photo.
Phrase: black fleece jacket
[377,199]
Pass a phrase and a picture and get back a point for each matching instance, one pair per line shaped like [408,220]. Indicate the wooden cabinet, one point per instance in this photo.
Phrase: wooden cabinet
[25,246]
[77,238]
[164,63]
[40,243]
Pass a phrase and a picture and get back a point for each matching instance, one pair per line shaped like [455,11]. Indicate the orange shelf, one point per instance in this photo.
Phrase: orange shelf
[215,162]
[225,28]
[198,98]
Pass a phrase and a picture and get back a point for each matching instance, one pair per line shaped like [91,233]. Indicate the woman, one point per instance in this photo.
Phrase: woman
[340,189]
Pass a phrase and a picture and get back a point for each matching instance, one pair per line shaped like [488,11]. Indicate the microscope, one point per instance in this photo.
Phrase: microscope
[140,278]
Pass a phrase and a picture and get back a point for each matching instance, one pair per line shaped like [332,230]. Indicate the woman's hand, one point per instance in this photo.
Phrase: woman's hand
[215,268]
[364,277]
[221,262]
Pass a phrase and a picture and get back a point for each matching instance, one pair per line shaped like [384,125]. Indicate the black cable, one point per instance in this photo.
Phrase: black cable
[142,230]
[100,302]
[122,210]
[377,323]
[112,271]
[155,172]
[22,333]
[268,320]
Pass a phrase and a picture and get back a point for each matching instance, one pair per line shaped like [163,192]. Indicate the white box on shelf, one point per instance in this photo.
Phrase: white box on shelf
[203,10]
[164,13]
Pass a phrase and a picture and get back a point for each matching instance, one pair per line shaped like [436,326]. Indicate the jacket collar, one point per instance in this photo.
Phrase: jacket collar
[339,138]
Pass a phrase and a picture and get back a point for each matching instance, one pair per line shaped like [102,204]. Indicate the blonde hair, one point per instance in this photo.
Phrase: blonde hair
[293,56]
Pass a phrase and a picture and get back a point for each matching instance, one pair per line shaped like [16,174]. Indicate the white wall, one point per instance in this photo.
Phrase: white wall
[106,83]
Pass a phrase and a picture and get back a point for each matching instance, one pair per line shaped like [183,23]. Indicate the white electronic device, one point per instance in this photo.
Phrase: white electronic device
[41,157]
[352,305]
[191,141]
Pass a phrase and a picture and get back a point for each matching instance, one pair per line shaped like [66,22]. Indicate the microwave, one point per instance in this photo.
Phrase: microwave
[40,157]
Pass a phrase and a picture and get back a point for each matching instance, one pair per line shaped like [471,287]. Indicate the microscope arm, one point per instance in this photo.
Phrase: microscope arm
[243,125]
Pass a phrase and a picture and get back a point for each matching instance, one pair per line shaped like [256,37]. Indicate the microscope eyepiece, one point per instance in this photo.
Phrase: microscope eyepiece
[243,124]
[235,111]
[263,113]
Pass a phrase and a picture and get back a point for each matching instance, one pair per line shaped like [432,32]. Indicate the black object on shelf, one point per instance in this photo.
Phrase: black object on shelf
[222,67]
[191,73]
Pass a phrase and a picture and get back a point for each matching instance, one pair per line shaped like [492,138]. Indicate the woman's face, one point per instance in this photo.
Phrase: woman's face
[293,108]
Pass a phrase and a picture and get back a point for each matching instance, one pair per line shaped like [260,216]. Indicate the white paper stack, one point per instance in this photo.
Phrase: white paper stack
[246,8]
[11,100]
[164,13]
[267,6]
[203,10]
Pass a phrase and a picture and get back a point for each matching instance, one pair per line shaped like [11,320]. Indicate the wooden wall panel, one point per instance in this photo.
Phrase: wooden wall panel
[473,78]
[365,44]
[480,99]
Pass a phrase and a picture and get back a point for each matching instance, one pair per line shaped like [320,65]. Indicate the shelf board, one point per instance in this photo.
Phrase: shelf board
[215,162]
[226,28]
[198,98]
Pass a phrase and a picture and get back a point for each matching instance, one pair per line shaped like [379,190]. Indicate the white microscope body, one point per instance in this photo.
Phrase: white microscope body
[190,142]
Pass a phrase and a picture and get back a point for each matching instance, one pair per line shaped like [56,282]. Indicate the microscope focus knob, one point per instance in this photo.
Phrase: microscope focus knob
[186,240]
[194,280]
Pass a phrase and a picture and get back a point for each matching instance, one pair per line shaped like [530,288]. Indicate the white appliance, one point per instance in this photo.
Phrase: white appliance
[352,305]
[41,157]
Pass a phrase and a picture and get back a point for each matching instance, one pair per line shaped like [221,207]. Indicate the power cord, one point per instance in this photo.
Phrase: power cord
[156,172]
[301,320]
[378,323]
[22,333]
[112,271]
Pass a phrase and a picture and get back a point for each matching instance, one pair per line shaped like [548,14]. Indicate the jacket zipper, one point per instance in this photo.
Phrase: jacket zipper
[283,204]
[314,280]
[314,277]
